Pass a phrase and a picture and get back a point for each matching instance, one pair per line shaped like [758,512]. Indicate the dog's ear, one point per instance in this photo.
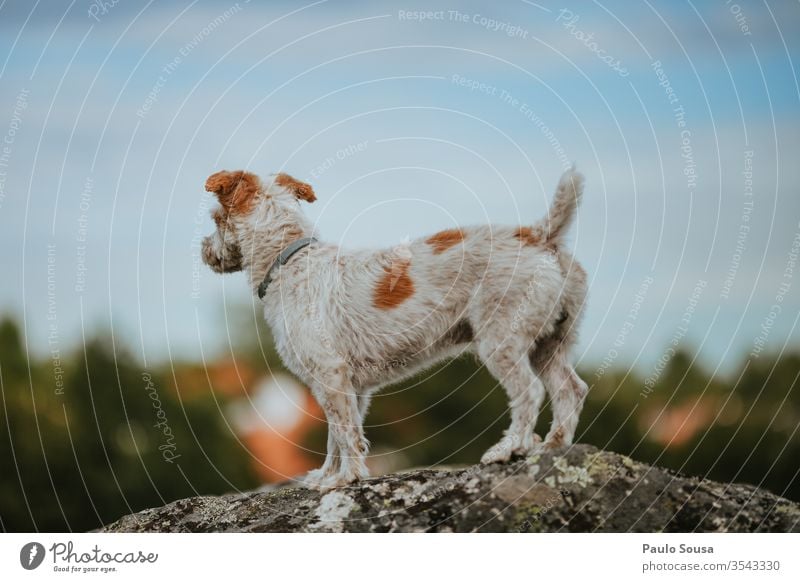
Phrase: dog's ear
[300,189]
[236,191]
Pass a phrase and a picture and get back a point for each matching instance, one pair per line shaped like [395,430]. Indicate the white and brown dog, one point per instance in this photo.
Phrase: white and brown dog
[349,323]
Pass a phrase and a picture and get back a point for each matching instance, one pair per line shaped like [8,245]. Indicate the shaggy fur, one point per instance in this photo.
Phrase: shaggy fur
[349,323]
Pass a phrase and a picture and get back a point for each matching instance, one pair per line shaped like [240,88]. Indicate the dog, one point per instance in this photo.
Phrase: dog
[349,323]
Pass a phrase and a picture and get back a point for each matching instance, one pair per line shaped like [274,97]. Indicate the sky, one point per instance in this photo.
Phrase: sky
[407,118]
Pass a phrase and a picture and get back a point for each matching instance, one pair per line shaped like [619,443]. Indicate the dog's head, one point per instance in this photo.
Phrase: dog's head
[247,205]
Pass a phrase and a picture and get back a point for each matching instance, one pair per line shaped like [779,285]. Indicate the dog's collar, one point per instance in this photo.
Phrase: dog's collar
[282,259]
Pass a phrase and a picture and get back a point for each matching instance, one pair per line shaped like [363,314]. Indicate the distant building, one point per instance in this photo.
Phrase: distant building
[272,420]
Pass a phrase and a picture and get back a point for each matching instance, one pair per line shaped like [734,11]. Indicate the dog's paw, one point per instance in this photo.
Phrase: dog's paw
[530,444]
[551,446]
[494,455]
[350,473]
[313,479]
[548,446]
[499,453]
[510,444]
[555,440]
[334,481]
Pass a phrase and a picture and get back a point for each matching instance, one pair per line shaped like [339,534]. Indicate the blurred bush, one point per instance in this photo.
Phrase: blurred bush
[73,461]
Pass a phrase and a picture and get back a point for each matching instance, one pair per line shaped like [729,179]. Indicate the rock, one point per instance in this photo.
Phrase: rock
[580,489]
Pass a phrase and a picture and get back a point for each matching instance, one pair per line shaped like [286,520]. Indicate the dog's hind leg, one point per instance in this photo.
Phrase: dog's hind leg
[566,390]
[551,358]
[507,360]
[567,394]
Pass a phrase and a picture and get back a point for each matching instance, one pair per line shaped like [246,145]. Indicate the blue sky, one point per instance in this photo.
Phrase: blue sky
[116,120]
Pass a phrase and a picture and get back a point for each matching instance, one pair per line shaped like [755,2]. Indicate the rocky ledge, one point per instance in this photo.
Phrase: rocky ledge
[581,489]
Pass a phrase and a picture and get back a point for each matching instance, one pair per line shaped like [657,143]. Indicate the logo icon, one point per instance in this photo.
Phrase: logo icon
[31,555]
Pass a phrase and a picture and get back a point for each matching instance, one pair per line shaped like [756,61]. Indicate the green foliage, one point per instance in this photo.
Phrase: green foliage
[82,458]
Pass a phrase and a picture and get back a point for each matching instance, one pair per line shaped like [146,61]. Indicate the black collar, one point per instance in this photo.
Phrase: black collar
[282,259]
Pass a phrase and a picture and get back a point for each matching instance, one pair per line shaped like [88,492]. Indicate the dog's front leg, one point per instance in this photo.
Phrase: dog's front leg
[330,467]
[347,446]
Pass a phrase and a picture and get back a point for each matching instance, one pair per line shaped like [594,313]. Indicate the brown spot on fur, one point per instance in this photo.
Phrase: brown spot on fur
[394,287]
[526,235]
[441,241]
[236,191]
[300,189]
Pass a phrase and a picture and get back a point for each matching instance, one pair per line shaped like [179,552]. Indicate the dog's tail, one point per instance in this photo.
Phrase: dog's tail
[562,210]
